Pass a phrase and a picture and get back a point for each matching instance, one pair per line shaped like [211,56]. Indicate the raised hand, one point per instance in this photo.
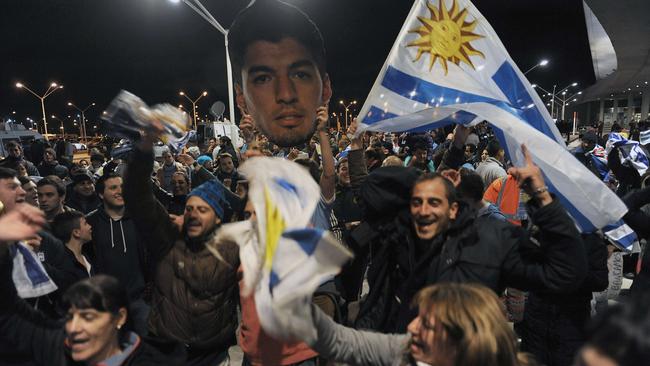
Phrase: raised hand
[530,179]
[460,135]
[355,141]
[21,223]
[452,175]
[322,116]
[246,126]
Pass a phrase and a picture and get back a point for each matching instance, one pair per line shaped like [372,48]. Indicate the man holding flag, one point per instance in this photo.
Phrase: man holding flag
[449,66]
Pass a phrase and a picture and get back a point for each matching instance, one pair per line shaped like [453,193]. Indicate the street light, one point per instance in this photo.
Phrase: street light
[205,14]
[83,118]
[193,104]
[554,94]
[62,128]
[347,108]
[541,63]
[51,89]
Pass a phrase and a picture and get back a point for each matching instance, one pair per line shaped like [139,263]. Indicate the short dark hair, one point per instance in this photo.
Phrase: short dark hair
[6,173]
[49,150]
[12,144]
[471,186]
[493,148]
[273,20]
[102,293]
[450,190]
[100,185]
[64,223]
[374,154]
[621,332]
[24,180]
[51,181]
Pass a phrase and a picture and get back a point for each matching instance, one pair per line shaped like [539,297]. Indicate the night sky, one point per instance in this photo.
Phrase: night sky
[155,48]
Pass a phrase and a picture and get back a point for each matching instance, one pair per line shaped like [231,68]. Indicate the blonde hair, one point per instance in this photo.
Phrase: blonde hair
[392,161]
[474,322]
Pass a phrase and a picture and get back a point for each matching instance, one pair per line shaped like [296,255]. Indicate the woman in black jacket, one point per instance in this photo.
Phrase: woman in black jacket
[96,327]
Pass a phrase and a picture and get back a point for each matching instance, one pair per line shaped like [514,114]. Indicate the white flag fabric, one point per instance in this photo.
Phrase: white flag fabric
[448,66]
[284,261]
[29,275]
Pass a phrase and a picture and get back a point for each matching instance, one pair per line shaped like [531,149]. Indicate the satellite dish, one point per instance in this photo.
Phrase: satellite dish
[217,109]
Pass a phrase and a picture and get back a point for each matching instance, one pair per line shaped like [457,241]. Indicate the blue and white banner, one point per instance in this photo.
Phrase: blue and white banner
[448,66]
[29,275]
[630,152]
[283,259]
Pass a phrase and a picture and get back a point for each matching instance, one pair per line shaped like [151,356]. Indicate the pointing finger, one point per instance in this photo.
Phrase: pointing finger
[529,159]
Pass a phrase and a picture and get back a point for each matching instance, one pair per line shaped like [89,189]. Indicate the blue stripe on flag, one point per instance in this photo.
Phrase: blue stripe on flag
[307,239]
[286,185]
[460,117]
[274,279]
[375,115]
[508,81]
[425,92]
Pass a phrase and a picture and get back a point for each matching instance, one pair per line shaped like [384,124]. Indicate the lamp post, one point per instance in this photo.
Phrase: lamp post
[541,63]
[205,14]
[347,108]
[193,104]
[554,94]
[62,128]
[83,118]
[564,104]
[51,89]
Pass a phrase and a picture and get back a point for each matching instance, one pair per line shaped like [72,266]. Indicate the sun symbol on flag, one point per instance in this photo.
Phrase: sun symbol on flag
[446,36]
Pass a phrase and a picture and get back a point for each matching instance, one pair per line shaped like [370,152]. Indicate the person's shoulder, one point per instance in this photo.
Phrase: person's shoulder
[154,352]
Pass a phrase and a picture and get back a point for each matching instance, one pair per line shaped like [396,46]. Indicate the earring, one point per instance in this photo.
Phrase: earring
[119,326]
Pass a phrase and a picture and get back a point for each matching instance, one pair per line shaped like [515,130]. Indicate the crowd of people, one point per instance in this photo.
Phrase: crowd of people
[460,258]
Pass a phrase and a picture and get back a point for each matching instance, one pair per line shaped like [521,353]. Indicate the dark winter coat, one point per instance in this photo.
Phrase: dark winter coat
[479,250]
[195,295]
[553,328]
[12,163]
[83,204]
[54,168]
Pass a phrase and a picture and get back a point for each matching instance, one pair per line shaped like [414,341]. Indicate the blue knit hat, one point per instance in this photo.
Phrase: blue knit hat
[203,159]
[212,192]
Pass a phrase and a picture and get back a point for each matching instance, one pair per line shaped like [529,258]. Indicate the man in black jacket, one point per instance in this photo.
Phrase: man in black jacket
[16,156]
[117,248]
[439,238]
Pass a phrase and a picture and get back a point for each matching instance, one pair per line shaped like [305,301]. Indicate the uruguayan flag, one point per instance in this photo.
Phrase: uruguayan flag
[29,275]
[283,260]
[644,137]
[622,236]
[449,66]
[598,156]
[630,152]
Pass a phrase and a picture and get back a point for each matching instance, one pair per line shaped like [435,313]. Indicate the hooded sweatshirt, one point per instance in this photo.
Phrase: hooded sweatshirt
[116,250]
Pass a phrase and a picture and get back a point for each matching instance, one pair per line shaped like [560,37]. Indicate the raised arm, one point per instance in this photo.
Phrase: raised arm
[564,264]
[339,343]
[328,176]
[149,214]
